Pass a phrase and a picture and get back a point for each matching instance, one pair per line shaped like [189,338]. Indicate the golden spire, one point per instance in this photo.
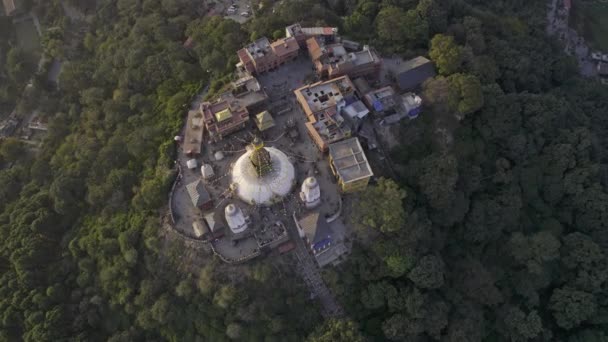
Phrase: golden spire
[260,158]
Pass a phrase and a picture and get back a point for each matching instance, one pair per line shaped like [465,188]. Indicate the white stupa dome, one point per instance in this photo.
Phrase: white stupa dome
[273,184]
[310,193]
[235,218]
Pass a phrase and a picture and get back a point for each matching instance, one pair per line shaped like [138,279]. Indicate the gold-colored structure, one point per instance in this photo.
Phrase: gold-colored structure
[260,158]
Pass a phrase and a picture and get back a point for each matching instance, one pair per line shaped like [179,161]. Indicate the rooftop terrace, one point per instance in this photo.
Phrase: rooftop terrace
[245,92]
[349,160]
[259,48]
[323,95]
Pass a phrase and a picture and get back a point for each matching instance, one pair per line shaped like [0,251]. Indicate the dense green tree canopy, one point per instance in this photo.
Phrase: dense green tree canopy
[381,206]
[493,230]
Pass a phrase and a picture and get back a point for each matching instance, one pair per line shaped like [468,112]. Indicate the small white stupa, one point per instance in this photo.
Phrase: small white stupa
[310,193]
[235,219]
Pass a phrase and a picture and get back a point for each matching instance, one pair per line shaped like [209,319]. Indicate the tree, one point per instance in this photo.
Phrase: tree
[416,29]
[521,326]
[336,330]
[446,54]
[358,25]
[234,331]
[389,25]
[477,283]
[278,34]
[380,206]
[262,272]
[437,179]
[588,335]
[579,250]
[466,95]
[184,288]
[374,296]
[18,66]
[225,296]
[434,13]
[534,251]
[474,35]
[428,272]
[11,149]
[571,307]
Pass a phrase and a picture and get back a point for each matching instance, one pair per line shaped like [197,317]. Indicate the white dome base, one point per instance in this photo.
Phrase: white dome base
[268,189]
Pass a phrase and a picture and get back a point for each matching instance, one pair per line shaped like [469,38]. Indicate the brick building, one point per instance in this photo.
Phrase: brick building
[230,111]
[301,34]
[349,164]
[222,119]
[323,103]
[261,55]
[333,60]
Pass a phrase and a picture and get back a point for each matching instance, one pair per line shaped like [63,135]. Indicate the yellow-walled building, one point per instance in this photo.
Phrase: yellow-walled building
[349,164]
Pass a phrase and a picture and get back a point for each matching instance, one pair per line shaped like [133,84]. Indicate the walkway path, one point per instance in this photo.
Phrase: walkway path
[309,270]
[558,25]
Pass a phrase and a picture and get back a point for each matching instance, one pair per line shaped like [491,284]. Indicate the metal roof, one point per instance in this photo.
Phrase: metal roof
[315,227]
[223,115]
[264,120]
[414,72]
[198,194]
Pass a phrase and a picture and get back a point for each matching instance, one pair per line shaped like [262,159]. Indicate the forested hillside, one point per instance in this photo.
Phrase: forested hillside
[81,253]
[496,232]
[502,235]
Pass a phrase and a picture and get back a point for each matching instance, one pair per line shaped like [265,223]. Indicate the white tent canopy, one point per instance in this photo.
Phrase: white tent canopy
[207,171]
[191,164]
